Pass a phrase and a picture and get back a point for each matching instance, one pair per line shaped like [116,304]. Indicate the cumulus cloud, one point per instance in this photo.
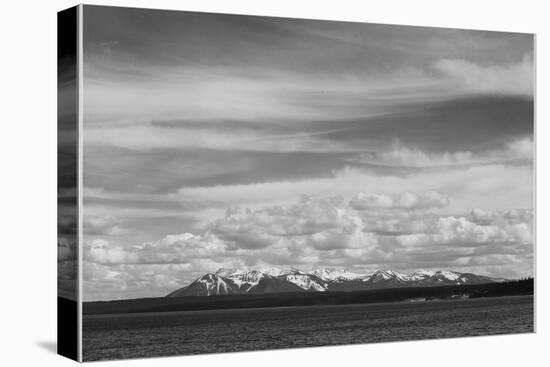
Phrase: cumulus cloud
[306,217]
[406,200]
[482,217]
[397,225]
[300,233]
[517,78]
[317,229]
[365,201]
[505,217]
[377,231]
[461,231]
[293,234]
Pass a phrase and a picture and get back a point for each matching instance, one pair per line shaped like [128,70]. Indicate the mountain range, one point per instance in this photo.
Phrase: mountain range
[274,280]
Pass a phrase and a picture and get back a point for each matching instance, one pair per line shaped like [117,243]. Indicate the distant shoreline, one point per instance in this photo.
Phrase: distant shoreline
[134,314]
[197,303]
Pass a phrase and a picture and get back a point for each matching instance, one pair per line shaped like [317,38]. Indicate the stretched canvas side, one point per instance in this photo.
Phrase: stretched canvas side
[67,184]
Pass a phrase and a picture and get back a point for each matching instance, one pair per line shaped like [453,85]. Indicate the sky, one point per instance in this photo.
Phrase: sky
[217,140]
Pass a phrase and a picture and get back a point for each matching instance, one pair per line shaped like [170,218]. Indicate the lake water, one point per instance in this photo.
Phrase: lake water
[215,331]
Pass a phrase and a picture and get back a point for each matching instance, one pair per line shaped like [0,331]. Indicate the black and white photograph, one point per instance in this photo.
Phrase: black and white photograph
[252,183]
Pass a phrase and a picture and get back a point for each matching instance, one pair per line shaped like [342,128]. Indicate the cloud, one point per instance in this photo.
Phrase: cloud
[66,267]
[424,200]
[103,225]
[314,218]
[293,233]
[522,149]
[483,217]
[323,232]
[495,186]
[517,78]
[461,231]
[394,225]
[177,130]
[100,251]
[514,151]
[104,281]
[515,216]
[227,93]
[172,249]
[371,200]
[505,217]
[407,200]
[66,249]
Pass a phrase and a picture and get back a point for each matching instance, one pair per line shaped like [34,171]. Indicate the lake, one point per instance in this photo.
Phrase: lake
[192,332]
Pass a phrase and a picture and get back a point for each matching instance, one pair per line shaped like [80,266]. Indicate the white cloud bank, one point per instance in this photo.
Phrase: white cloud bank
[373,231]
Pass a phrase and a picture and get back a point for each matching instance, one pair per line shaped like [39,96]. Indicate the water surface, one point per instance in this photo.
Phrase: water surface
[214,331]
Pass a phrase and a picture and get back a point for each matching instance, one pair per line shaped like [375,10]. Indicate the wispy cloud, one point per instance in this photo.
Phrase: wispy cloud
[303,143]
[517,78]
[514,152]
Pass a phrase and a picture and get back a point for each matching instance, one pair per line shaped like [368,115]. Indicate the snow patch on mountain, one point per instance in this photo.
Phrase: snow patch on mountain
[238,281]
[213,284]
[246,280]
[448,275]
[381,275]
[306,281]
[421,274]
[336,275]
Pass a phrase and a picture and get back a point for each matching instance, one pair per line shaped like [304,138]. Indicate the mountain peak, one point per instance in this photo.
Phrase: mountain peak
[450,275]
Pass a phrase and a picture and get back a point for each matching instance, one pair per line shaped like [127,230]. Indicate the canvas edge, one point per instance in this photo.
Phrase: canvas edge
[68,317]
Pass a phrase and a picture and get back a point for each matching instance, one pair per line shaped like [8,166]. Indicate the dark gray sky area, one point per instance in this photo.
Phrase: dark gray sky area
[222,140]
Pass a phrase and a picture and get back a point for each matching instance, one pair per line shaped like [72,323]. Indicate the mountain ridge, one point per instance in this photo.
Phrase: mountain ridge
[230,281]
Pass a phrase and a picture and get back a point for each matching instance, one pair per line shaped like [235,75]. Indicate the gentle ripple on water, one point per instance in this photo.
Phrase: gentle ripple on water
[216,331]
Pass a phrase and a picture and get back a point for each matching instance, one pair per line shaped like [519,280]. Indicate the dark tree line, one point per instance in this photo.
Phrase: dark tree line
[509,288]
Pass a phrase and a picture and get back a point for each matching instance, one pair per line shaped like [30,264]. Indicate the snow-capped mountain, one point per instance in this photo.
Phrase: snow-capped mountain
[336,275]
[227,281]
[387,279]
[207,285]
[385,275]
[421,274]
[234,281]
